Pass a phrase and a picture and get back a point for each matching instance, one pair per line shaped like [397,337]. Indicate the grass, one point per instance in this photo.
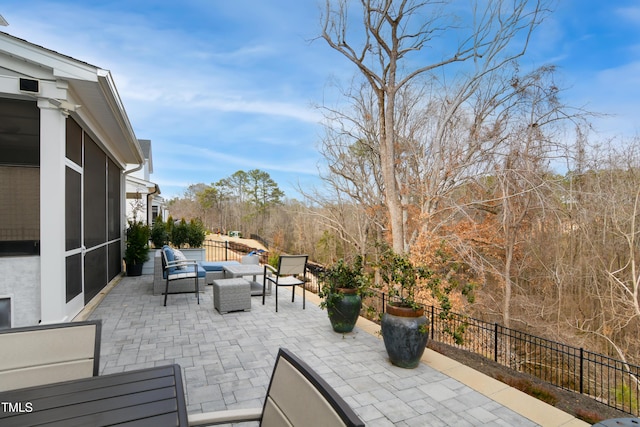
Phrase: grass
[588,416]
[531,389]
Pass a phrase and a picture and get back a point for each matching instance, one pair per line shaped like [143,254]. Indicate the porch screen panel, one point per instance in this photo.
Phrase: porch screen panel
[114,201]
[20,136]
[19,178]
[74,141]
[73,211]
[95,272]
[115,257]
[95,198]
[73,265]
[113,217]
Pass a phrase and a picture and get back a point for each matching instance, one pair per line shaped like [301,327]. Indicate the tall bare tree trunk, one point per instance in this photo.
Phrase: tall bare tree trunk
[387,161]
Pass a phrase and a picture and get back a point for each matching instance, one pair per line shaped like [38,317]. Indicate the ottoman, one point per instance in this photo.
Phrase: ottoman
[231,295]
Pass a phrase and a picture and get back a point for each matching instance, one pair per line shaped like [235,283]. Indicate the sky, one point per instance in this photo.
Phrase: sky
[220,86]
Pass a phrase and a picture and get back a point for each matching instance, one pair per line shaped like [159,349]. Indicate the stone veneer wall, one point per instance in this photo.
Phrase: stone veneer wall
[20,280]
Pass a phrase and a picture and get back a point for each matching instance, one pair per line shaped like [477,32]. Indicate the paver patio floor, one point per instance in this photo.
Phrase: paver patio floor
[227,359]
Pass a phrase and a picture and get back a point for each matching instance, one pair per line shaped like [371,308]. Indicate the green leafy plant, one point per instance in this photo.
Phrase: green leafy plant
[274,258]
[195,233]
[137,247]
[343,275]
[180,233]
[159,233]
[400,278]
[627,395]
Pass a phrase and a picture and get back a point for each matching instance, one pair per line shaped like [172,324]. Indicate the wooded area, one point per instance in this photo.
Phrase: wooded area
[486,176]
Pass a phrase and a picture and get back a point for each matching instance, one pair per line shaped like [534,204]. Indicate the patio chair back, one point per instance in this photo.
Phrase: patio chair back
[46,354]
[292,265]
[292,271]
[298,396]
[179,269]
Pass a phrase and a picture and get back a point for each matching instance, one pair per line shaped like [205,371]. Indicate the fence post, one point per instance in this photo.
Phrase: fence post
[581,370]
[433,323]
[495,342]
[226,250]
[383,304]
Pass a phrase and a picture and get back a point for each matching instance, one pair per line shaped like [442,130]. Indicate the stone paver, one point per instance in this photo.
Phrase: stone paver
[227,359]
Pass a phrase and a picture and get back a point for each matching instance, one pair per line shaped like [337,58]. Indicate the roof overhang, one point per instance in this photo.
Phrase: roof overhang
[100,110]
[139,183]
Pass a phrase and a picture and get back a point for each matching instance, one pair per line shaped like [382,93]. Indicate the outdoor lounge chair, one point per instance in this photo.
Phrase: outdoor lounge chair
[177,269]
[297,396]
[292,271]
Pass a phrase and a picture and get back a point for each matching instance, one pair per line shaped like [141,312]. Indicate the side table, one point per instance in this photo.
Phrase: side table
[231,295]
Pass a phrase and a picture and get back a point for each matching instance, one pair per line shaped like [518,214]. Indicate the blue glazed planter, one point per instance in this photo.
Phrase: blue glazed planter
[344,315]
[405,338]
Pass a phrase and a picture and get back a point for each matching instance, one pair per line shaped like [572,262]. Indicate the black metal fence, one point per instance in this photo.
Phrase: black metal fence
[230,251]
[610,381]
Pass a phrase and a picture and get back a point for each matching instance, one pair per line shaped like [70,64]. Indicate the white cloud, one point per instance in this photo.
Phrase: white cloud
[631,13]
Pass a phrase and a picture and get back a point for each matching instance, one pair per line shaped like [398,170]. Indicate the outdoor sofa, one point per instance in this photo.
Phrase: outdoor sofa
[207,271]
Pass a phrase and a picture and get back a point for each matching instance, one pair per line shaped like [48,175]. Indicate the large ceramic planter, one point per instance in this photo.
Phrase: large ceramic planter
[343,315]
[405,334]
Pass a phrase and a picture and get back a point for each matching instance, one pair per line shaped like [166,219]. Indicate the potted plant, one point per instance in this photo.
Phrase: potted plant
[196,233]
[343,286]
[159,233]
[137,247]
[404,325]
[179,233]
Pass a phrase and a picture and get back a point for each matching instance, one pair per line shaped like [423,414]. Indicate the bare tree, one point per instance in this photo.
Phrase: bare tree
[391,42]
[603,279]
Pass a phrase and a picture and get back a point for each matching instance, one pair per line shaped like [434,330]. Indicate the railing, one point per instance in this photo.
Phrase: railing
[229,251]
[605,379]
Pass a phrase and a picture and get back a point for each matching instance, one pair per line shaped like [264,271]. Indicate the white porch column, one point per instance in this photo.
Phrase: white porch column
[52,210]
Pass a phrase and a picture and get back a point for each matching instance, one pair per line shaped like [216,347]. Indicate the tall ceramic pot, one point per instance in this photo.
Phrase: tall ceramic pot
[343,315]
[405,334]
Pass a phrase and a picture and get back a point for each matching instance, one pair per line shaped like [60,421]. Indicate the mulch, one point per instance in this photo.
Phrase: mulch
[578,405]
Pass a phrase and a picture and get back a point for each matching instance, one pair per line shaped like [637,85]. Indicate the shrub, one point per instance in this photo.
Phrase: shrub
[137,246]
[274,258]
[159,233]
[343,275]
[588,416]
[531,389]
[195,233]
[180,233]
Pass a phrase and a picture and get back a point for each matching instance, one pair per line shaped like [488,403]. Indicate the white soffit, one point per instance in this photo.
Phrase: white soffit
[93,87]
